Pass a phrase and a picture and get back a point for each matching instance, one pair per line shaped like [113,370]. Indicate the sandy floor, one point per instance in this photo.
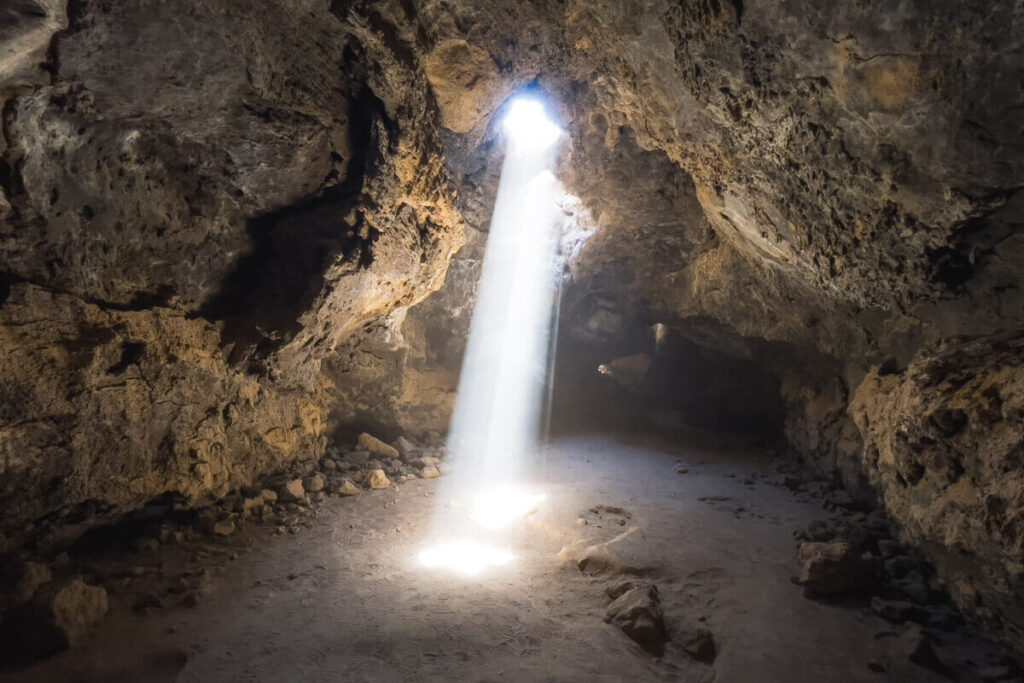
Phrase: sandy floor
[347,599]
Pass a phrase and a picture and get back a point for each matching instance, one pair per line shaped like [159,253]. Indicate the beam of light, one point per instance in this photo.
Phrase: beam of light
[465,557]
[497,414]
[501,388]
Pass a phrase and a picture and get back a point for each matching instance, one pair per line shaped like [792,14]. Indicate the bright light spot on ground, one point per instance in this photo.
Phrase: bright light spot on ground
[465,557]
[498,508]
[528,125]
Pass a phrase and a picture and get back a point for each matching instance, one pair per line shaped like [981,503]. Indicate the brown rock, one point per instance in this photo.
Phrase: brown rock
[430,472]
[347,488]
[374,445]
[292,491]
[376,479]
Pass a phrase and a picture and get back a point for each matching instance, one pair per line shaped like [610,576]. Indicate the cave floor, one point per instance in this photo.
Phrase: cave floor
[346,599]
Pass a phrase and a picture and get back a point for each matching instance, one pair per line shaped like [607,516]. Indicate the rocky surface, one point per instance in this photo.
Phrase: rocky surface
[216,224]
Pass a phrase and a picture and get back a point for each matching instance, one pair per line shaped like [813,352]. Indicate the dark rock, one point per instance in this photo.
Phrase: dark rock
[835,569]
[636,609]
[55,619]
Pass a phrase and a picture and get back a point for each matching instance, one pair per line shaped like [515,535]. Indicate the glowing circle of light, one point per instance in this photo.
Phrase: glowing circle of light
[465,557]
[529,127]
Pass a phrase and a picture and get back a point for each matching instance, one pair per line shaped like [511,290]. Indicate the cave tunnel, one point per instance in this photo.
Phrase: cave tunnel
[414,340]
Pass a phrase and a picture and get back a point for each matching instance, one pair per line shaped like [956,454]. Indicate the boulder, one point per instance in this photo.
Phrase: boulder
[292,491]
[368,442]
[57,618]
[636,610]
[834,569]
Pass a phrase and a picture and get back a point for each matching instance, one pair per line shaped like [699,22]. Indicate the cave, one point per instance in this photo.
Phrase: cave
[555,340]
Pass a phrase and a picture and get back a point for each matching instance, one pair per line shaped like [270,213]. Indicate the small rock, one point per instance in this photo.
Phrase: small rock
[404,447]
[292,491]
[835,569]
[371,443]
[224,527]
[430,473]
[377,479]
[679,469]
[347,488]
[268,495]
[329,465]
[147,602]
[920,650]
[314,483]
[697,642]
[900,566]
[897,611]
[637,611]
[839,499]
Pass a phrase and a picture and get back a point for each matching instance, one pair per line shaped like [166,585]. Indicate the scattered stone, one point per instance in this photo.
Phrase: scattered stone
[679,469]
[377,479]
[292,491]
[224,527]
[636,610]
[920,650]
[830,569]
[897,611]
[269,496]
[374,445]
[430,472]
[404,447]
[839,499]
[900,565]
[148,602]
[698,642]
[329,465]
[314,484]
[581,522]
[33,575]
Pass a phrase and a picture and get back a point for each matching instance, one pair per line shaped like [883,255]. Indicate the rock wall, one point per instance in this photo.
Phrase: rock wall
[198,207]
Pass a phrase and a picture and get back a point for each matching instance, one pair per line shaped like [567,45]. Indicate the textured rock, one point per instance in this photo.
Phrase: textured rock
[372,444]
[833,569]
[636,609]
[347,488]
[376,479]
[54,620]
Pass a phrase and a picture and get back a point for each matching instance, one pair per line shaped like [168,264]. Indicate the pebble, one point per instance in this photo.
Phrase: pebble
[377,479]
